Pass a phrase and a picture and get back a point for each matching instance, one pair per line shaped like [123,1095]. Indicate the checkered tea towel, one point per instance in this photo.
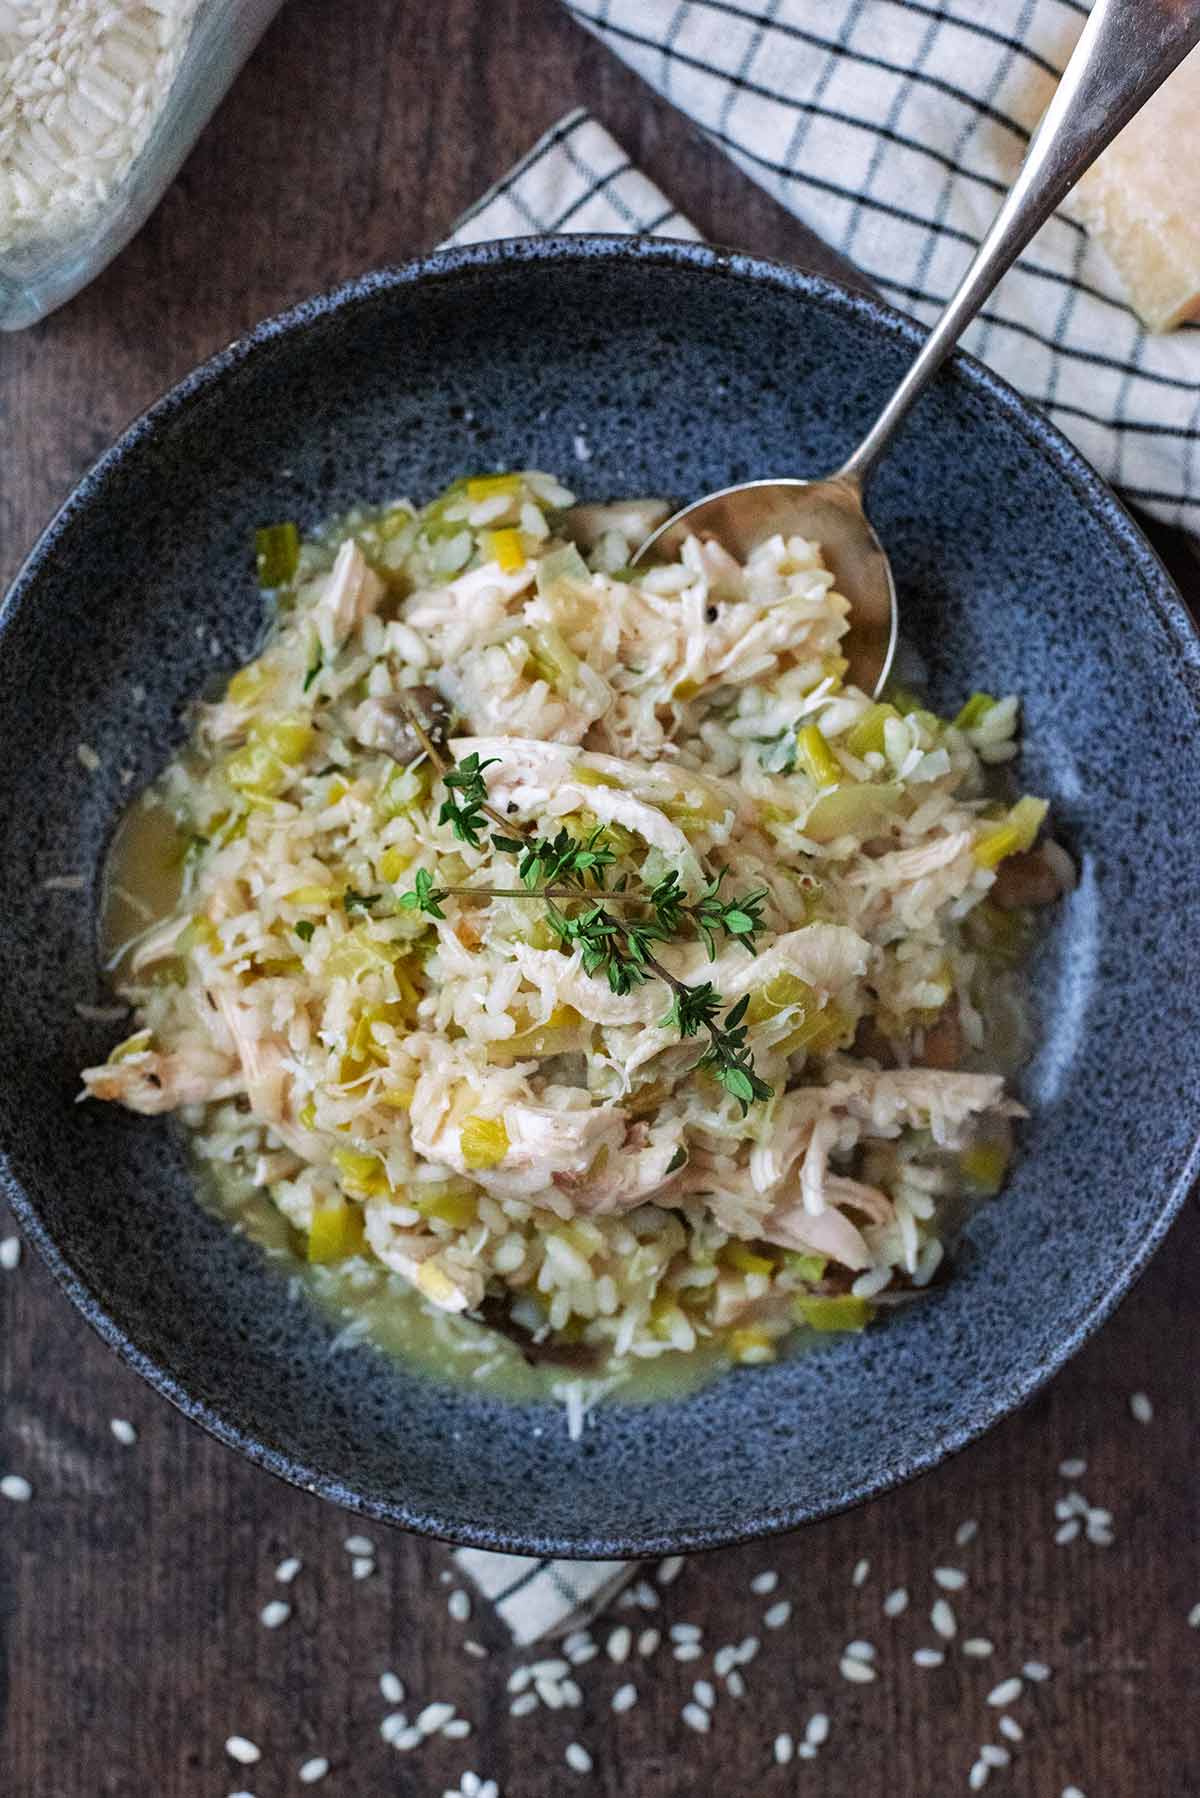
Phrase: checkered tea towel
[893,129]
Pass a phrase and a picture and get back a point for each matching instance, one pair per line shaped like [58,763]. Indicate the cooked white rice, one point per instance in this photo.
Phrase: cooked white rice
[457,1098]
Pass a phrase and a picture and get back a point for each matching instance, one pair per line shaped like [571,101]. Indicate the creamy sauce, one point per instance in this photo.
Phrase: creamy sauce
[380,1307]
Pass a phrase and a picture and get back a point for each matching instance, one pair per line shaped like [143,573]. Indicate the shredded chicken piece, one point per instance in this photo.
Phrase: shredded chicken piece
[153,1082]
[352,592]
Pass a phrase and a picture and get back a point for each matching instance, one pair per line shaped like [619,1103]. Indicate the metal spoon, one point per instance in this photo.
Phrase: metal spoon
[1127,50]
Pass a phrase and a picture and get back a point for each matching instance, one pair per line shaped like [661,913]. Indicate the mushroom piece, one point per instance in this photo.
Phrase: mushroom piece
[395,725]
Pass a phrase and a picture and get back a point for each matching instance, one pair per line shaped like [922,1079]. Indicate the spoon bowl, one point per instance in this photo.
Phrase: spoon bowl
[828,512]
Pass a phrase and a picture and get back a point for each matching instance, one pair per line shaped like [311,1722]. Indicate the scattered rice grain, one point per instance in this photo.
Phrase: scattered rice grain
[1141,1408]
[669,1570]
[521,1707]
[928,1657]
[704,1694]
[735,1685]
[10,1253]
[287,1570]
[625,1697]
[457,1730]
[687,1651]
[275,1614]
[577,1757]
[313,1770]
[861,1571]
[764,1583]
[16,1487]
[685,1632]
[977,1778]
[1007,1692]
[697,1718]
[896,1602]
[777,1616]
[943,1620]
[785,1748]
[950,1579]
[978,1647]
[648,1641]
[242,1750]
[359,1545]
[619,1643]
[1067,1532]
[431,1719]
[966,1532]
[1036,1670]
[459,1605]
[857,1672]
[1008,1726]
[123,1430]
[1074,1469]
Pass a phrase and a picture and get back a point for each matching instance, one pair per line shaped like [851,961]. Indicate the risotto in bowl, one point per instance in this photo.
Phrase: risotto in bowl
[560,1069]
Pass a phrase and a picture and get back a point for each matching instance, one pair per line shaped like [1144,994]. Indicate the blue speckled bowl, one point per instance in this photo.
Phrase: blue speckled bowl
[685,369]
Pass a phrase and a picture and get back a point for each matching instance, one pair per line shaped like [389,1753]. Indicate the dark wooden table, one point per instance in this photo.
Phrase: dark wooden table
[130,1646]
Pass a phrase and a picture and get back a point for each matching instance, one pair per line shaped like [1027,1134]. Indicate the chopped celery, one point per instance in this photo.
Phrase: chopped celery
[357,953]
[276,554]
[810,1268]
[665,1315]
[483,1141]
[392,864]
[362,1176]
[289,735]
[742,1258]
[750,1346]
[136,1044]
[974,711]
[558,1033]
[249,683]
[452,1204]
[866,736]
[397,1098]
[840,1312]
[491,486]
[820,1032]
[816,757]
[505,547]
[445,1199]
[984,1164]
[559,565]
[1016,834]
[403,789]
[553,658]
[256,770]
[784,992]
[336,1233]
[853,809]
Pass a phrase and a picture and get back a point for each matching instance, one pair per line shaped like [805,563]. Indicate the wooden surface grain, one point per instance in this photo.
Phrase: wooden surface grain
[130,1586]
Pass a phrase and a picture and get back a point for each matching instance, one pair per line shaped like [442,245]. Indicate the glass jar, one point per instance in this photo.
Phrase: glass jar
[99,106]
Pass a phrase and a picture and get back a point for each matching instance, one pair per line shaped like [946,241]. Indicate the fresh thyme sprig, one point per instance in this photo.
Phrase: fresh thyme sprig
[619,947]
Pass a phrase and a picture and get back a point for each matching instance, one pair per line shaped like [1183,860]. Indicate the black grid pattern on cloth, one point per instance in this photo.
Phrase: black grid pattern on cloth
[892,127]
[575,178]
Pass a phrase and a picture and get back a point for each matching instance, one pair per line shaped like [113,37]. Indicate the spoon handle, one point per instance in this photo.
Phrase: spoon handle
[1127,50]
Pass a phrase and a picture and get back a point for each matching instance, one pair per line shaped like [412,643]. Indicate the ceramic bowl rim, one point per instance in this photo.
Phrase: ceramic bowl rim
[750,271]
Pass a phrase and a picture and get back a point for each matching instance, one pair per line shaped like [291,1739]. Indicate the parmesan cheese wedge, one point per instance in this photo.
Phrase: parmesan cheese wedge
[1140,201]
